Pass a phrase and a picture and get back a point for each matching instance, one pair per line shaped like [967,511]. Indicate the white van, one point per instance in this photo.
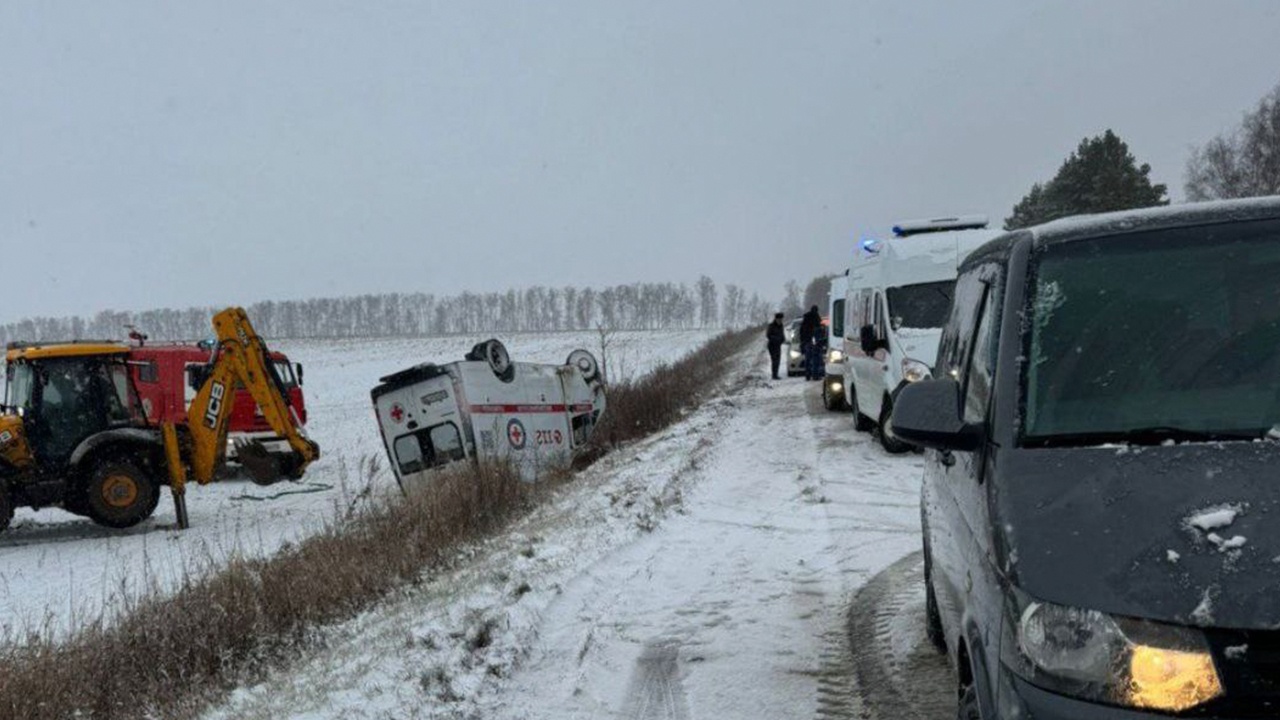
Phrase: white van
[897,300]
[489,408]
[833,381]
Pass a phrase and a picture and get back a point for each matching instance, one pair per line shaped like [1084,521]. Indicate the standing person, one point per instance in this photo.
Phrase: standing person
[821,343]
[808,335]
[774,337]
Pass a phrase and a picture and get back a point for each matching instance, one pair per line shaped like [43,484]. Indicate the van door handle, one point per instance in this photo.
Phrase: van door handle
[948,458]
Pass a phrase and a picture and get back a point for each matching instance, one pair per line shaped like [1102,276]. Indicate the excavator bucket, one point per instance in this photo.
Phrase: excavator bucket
[263,467]
[268,468]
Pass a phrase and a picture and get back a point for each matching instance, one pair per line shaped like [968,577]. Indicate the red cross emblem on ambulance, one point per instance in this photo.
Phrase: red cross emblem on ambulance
[397,413]
[516,434]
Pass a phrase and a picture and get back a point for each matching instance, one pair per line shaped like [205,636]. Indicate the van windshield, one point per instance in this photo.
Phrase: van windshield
[1151,337]
[921,306]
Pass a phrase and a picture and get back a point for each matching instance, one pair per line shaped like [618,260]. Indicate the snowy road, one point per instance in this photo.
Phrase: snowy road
[715,571]
[737,606]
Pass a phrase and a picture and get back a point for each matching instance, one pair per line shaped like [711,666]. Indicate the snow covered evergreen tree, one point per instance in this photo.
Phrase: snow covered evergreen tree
[1100,176]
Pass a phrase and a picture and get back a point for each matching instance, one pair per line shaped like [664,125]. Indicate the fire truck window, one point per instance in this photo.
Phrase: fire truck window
[148,372]
[409,454]
[447,443]
[285,371]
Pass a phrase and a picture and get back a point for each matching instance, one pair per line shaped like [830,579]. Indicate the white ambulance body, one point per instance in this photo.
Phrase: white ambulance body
[487,408]
[897,299]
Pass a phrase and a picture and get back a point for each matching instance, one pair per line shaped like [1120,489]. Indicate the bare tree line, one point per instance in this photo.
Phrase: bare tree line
[1242,162]
[637,306]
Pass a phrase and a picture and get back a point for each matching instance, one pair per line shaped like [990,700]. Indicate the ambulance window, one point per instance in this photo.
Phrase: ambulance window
[409,454]
[837,318]
[447,443]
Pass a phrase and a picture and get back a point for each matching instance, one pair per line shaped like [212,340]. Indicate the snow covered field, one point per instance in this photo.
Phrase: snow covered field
[707,572]
[58,570]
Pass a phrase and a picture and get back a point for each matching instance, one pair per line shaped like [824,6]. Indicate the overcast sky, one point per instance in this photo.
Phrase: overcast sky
[157,154]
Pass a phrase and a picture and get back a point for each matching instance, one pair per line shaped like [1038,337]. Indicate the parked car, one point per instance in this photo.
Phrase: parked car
[1098,499]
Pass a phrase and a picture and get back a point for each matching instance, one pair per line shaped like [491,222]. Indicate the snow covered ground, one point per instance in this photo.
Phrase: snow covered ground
[58,570]
[707,572]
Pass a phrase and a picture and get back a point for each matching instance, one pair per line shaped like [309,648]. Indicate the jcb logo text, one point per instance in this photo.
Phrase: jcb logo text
[215,405]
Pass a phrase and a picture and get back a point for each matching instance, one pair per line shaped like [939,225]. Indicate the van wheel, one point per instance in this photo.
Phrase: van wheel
[495,354]
[861,422]
[120,495]
[888,440]
[586,363]
[968,708]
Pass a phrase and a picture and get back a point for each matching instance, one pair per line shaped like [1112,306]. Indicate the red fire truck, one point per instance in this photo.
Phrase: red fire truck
[168,375]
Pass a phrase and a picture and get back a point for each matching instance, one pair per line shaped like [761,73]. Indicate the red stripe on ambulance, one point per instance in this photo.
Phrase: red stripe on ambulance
[511,409]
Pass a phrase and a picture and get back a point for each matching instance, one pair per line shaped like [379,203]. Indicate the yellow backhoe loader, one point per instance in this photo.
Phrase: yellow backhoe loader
[72,432]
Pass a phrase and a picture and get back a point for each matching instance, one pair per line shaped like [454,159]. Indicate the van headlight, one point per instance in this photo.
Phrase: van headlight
[1120,661]
[835,356]
[795,354]
[914,370]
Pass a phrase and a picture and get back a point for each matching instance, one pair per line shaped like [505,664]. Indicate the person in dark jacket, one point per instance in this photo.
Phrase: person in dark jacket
[809,327]
[775,336]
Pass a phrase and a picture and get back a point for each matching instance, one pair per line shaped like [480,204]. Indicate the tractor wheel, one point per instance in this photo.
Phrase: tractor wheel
[120,495]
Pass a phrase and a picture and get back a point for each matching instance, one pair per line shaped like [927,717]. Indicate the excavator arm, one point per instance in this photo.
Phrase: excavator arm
[241,360]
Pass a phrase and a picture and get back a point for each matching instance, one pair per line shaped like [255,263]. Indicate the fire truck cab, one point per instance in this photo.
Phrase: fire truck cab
[168,375]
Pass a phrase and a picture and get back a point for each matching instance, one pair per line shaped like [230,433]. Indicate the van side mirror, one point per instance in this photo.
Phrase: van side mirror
[297,370]
[927,413]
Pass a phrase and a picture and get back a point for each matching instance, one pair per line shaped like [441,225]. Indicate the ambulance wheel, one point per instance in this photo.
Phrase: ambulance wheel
[495,353]
[120,495]
[586,362]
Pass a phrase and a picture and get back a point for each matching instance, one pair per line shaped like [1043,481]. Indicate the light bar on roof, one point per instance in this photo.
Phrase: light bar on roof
[943,224]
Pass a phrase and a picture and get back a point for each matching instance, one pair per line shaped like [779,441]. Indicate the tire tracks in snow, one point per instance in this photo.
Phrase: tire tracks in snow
[656,692]
[897,671]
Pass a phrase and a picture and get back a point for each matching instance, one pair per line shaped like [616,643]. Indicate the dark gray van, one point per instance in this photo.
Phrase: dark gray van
[1101,501]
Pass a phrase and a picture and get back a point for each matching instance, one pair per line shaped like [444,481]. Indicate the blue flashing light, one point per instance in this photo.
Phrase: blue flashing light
[871,246]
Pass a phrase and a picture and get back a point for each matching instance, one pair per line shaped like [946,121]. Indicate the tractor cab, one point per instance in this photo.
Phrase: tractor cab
[59,396]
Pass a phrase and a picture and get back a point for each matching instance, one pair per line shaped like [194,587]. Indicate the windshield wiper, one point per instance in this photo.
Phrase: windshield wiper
[1152,435]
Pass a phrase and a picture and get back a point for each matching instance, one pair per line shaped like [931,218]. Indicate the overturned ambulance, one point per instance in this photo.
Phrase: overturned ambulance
[488,408]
